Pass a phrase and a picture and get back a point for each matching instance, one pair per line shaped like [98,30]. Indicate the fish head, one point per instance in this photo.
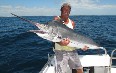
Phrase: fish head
[51,31]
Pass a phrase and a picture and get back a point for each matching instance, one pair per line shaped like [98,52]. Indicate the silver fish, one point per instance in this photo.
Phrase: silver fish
[56,31]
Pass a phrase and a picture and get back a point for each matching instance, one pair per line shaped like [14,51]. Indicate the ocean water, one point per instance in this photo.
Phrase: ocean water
[24,52]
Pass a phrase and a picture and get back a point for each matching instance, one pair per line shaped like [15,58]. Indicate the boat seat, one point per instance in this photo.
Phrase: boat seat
[94,60]
[113,70]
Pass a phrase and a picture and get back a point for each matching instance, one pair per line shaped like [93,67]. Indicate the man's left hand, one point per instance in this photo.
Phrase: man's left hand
[85,48]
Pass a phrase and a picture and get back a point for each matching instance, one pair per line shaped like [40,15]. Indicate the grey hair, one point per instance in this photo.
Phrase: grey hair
[66,4]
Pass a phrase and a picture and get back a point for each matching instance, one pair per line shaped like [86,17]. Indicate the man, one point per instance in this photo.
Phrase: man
[66,55]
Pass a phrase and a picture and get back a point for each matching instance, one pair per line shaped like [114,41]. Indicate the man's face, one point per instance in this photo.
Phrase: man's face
[65,11]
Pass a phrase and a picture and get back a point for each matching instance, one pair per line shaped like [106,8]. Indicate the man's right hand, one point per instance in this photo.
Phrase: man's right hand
[64,42]
[85,48]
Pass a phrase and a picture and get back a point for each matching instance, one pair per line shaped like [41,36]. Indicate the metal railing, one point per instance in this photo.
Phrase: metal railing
[112,57]
[50,57]
[104,50]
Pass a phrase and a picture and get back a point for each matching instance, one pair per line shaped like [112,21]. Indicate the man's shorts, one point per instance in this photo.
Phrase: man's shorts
[66,59]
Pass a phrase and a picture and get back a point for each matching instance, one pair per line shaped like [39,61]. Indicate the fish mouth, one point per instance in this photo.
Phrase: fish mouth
[37,31]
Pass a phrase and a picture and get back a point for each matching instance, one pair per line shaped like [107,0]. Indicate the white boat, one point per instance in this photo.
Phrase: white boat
[91,63]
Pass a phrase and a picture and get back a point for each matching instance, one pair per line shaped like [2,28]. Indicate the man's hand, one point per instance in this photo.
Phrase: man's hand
[64,42]
[84,48]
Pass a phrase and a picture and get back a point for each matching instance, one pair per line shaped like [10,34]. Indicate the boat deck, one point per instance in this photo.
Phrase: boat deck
[91,64]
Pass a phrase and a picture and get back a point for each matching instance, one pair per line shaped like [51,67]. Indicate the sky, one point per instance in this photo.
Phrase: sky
[52,7]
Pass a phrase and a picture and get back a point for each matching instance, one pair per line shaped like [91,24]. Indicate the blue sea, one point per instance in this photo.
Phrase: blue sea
[22,51]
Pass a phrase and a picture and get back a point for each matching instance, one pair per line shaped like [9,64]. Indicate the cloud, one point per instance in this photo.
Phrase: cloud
[26,11]
[88,4]
[79,7]
[90,7]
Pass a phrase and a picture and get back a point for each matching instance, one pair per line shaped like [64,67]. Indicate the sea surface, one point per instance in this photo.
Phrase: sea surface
[22,51]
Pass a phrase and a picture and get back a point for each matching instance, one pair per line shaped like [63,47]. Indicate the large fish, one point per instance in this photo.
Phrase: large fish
[55,31]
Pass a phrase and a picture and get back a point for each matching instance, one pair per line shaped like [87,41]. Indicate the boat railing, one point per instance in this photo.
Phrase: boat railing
[104,50]
[50,57]
[111,59]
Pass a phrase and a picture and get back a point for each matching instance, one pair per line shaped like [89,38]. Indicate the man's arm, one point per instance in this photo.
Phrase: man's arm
[73,24]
